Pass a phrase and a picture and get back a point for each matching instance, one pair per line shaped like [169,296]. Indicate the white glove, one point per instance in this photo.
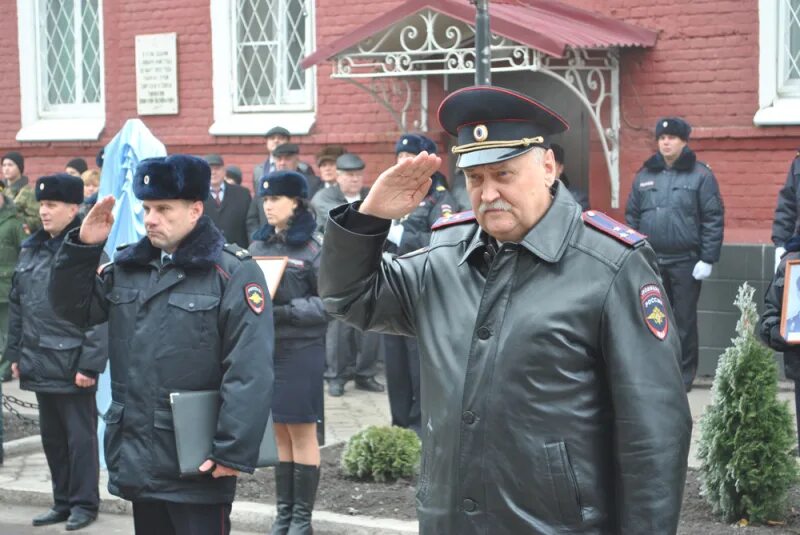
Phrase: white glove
[779,252]
[396,234]
[701,270]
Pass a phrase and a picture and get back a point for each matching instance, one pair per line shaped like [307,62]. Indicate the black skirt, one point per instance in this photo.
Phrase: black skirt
[297,393]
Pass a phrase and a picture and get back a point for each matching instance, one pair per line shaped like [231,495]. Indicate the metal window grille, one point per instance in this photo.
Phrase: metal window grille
[270,39]
[70,54]
[789,48]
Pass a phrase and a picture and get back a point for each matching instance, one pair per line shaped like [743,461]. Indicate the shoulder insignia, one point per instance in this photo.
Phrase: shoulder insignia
[655,313]
[454,219]
[254,295]
[613,228]
[235,250]
[102,267]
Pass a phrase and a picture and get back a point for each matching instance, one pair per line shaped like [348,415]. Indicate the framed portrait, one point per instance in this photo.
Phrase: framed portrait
[273,268]
[790,313]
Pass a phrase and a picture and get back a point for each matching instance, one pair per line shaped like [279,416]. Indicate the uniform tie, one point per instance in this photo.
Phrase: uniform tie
[216,195]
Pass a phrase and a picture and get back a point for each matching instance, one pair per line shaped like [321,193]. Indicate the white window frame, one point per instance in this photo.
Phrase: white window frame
[80,122]
[774,108]
[229,122]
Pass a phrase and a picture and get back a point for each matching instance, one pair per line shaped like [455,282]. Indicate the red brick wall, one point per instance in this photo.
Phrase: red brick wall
[704,68]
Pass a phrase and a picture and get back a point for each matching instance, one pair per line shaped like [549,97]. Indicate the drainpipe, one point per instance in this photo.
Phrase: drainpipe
[483,51]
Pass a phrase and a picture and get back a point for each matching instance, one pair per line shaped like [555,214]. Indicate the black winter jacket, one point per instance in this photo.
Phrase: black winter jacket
[769,327]
[203,322]
[297,307]
[785,224]
[49,350]
[678,208]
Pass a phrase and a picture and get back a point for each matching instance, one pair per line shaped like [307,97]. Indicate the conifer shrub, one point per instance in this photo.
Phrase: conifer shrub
[747,437]
[382,454]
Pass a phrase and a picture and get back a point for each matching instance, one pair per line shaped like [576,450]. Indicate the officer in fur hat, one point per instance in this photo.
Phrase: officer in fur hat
[548,361]
[675,201]
[186,312]
[57,360]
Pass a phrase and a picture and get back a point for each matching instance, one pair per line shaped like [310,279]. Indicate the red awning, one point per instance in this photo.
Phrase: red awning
[545,25]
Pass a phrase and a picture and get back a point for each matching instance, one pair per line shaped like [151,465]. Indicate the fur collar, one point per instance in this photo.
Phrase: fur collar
[201,249]
[685,161]
[301,228]
[41,236]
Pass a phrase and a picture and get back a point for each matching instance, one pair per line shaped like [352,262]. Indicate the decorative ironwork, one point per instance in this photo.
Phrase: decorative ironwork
[429,43]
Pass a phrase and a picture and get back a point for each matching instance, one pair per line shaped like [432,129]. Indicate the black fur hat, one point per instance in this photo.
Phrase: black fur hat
[60,187]
[286,183]
[179,176]
[674,126]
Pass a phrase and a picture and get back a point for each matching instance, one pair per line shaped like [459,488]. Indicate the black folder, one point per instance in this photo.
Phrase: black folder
[194,416]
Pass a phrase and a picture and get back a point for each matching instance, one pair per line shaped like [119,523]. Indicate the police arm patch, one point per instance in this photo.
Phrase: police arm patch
[254,295]
[654,310]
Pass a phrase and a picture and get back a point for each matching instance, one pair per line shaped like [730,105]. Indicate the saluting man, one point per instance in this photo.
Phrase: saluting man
[552,401]
[54,358]
[186,312]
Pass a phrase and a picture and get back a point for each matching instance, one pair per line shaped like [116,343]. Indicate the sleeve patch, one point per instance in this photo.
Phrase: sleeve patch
[655,312]
[613,228]
[454,219]
[254,295]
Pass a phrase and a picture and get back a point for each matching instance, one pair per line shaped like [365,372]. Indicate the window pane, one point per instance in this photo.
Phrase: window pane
[90,40]
[59,50]
[296,26]
[270,43]
[71,52]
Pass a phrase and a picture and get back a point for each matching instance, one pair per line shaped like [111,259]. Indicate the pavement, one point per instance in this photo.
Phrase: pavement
[25,479]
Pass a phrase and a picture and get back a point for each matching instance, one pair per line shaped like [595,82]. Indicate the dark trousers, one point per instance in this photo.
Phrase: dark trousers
[349,352]
[68,425]
[169,518]
[401,357]
[683,291]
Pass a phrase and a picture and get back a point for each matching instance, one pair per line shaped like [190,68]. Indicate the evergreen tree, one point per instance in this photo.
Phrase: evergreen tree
[747,437]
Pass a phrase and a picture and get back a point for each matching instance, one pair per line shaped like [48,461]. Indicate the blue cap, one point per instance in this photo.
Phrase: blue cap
[283,183]
[494,124]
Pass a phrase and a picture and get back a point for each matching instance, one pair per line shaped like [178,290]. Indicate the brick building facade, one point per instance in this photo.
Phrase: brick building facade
[728,66]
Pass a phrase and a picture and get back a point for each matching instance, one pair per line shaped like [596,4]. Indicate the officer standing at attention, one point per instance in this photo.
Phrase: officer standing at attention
[401,353]
[51,357]
[185,312]
[546,345]
[675,202]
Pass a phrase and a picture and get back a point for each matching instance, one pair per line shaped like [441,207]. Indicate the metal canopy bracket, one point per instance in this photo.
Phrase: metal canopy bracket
[429,43]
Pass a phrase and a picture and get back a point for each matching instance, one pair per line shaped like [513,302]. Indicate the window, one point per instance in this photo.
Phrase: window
[257,46]
[779,63]
[61,69]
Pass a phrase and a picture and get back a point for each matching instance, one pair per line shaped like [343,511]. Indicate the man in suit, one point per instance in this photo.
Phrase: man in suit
[287,158]
[227,205]
[349,187]
[350,353]
[274,138]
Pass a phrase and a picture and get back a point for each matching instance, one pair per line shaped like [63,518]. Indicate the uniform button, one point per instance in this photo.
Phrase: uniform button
[60,345]
[468,417]
[469,505]
[191,305]
[484,333]
[180,276]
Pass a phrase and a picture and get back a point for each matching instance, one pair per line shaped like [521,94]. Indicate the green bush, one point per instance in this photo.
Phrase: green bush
[747,437]
[381,453]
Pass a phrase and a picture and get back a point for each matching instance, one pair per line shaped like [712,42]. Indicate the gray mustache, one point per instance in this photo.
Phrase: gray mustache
[495,205]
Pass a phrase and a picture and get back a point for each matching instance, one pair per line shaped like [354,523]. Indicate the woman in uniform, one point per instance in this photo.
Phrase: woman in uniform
[300,325]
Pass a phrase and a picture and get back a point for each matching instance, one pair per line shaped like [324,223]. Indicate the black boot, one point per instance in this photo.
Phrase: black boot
[284,485]
[306,479]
